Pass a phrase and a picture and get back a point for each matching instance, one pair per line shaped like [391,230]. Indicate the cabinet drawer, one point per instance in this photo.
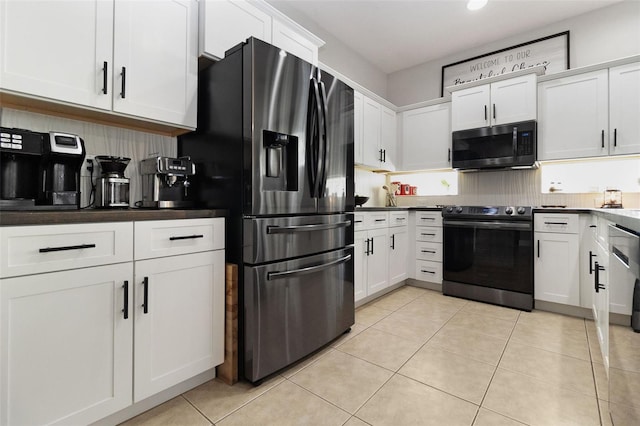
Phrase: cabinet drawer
[160,238]
[429,233]
[398,218]
[429,251]
[556,222]
[429,271]
[26,250]
[358,221]
[429,218]
[375,220]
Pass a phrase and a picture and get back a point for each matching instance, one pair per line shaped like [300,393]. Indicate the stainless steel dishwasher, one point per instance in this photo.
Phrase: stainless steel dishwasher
[624,343]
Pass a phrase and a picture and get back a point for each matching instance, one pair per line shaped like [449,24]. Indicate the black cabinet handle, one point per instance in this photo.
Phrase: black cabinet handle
[384,155]
[596,278]
[379,155]
[124,77]
[393,241]
[449,156]
[592,226]
[427,251]
[615,137]
[186,237]
[357,221]
[380,220]
[145,297]
[104,77]
[367,251]
[602,138]
[485,113]
[426,272]
[65,248]
[538,248]
[371,245]
[428,235]
[556,223]
[494,111]
[125,309]
[591,256]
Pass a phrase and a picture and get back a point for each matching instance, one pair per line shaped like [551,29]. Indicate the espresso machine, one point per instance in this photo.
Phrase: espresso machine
[165,182]
[20,161]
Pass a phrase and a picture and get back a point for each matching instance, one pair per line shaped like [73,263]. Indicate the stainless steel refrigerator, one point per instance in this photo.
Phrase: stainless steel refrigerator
[274,146]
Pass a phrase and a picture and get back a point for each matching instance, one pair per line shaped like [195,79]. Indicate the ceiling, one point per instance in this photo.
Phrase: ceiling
[397,34]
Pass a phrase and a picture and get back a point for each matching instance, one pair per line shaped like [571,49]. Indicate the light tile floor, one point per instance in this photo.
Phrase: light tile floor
[416,357]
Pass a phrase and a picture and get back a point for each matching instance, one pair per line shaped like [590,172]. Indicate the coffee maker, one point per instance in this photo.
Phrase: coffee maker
[112,188]
[20,161]
[165,182]
[63,156]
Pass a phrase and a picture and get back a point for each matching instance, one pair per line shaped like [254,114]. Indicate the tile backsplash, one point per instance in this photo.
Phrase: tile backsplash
[99,140]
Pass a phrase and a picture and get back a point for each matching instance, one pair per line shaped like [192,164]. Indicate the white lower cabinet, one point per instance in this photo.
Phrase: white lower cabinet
[556,270]
[372,253]
[178,318]
[398,246]
[66,340]
[427,243]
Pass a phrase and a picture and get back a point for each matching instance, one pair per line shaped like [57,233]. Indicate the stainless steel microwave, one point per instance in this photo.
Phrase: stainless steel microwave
[504,146]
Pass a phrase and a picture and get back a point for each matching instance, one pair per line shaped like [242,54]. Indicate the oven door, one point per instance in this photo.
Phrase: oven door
[494,254]
[294,307]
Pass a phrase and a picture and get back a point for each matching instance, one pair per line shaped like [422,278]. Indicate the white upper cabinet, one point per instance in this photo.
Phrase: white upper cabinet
[286,38]
[225,23]
[133,58]
[426,137]
[374,134]
[624,109]
[156,74]
[58,50]
[573,116]
[506,101]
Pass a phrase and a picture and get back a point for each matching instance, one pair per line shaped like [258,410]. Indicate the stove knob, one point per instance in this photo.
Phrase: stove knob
[508,210]
[450,209]
[458,209]
[521,210]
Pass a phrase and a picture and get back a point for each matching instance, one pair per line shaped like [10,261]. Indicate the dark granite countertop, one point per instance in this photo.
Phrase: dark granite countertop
[58,217]
[419,208]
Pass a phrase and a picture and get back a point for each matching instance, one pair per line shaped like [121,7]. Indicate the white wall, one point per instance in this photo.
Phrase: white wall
[337,55]
[605,34]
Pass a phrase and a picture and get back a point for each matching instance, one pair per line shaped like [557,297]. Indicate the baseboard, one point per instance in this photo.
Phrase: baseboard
[380,293]
[425,284]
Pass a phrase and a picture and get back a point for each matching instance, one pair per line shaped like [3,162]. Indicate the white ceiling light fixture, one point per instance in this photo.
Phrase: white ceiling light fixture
[476,4]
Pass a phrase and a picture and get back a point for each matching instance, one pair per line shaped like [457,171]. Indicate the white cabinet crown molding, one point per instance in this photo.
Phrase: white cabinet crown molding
[589,68]
[275,13]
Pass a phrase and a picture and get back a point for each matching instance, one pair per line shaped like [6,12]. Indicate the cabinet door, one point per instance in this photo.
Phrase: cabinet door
[358,111]
[514,100]
[371,154]
[377,261]
[470,108]
[360,262]
[573,117]
[179,319]
[426,138]
[225,23]
[66,346]
[58,50]
[398,254]
[388,138]
[556,268]
[288,39]
[155,60]
[624,109]
[601,302]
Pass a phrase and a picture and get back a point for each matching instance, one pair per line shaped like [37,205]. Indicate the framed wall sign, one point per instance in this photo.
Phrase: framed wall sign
[552,52]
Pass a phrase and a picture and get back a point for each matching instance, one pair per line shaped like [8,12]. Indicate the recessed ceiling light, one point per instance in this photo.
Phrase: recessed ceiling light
[476,4]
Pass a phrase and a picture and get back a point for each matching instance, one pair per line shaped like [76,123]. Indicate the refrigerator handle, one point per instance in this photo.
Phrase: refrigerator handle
[312,138]
[307,270]
[323,146]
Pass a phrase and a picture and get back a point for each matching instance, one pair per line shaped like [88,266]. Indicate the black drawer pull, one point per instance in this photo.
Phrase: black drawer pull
[427,218]
[358,221]
[145,297]
[556,223]
[186,237]
[427,272]
[65,248]
[381,220]
[430,235]
[400,218]
[125,309]
[427,251]
[592,226]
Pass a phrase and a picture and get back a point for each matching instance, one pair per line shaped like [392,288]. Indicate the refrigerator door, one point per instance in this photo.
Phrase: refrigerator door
[274,238]
[276,88]
[294,307]
[336,173]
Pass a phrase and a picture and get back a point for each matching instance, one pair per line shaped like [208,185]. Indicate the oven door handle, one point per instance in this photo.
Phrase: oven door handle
[307,270]
[274,229]
[494,224]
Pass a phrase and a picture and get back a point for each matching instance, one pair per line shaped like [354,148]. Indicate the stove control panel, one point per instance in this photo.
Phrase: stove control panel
[522,212]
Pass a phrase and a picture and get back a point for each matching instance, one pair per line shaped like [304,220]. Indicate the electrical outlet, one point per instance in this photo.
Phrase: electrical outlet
[89,161]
